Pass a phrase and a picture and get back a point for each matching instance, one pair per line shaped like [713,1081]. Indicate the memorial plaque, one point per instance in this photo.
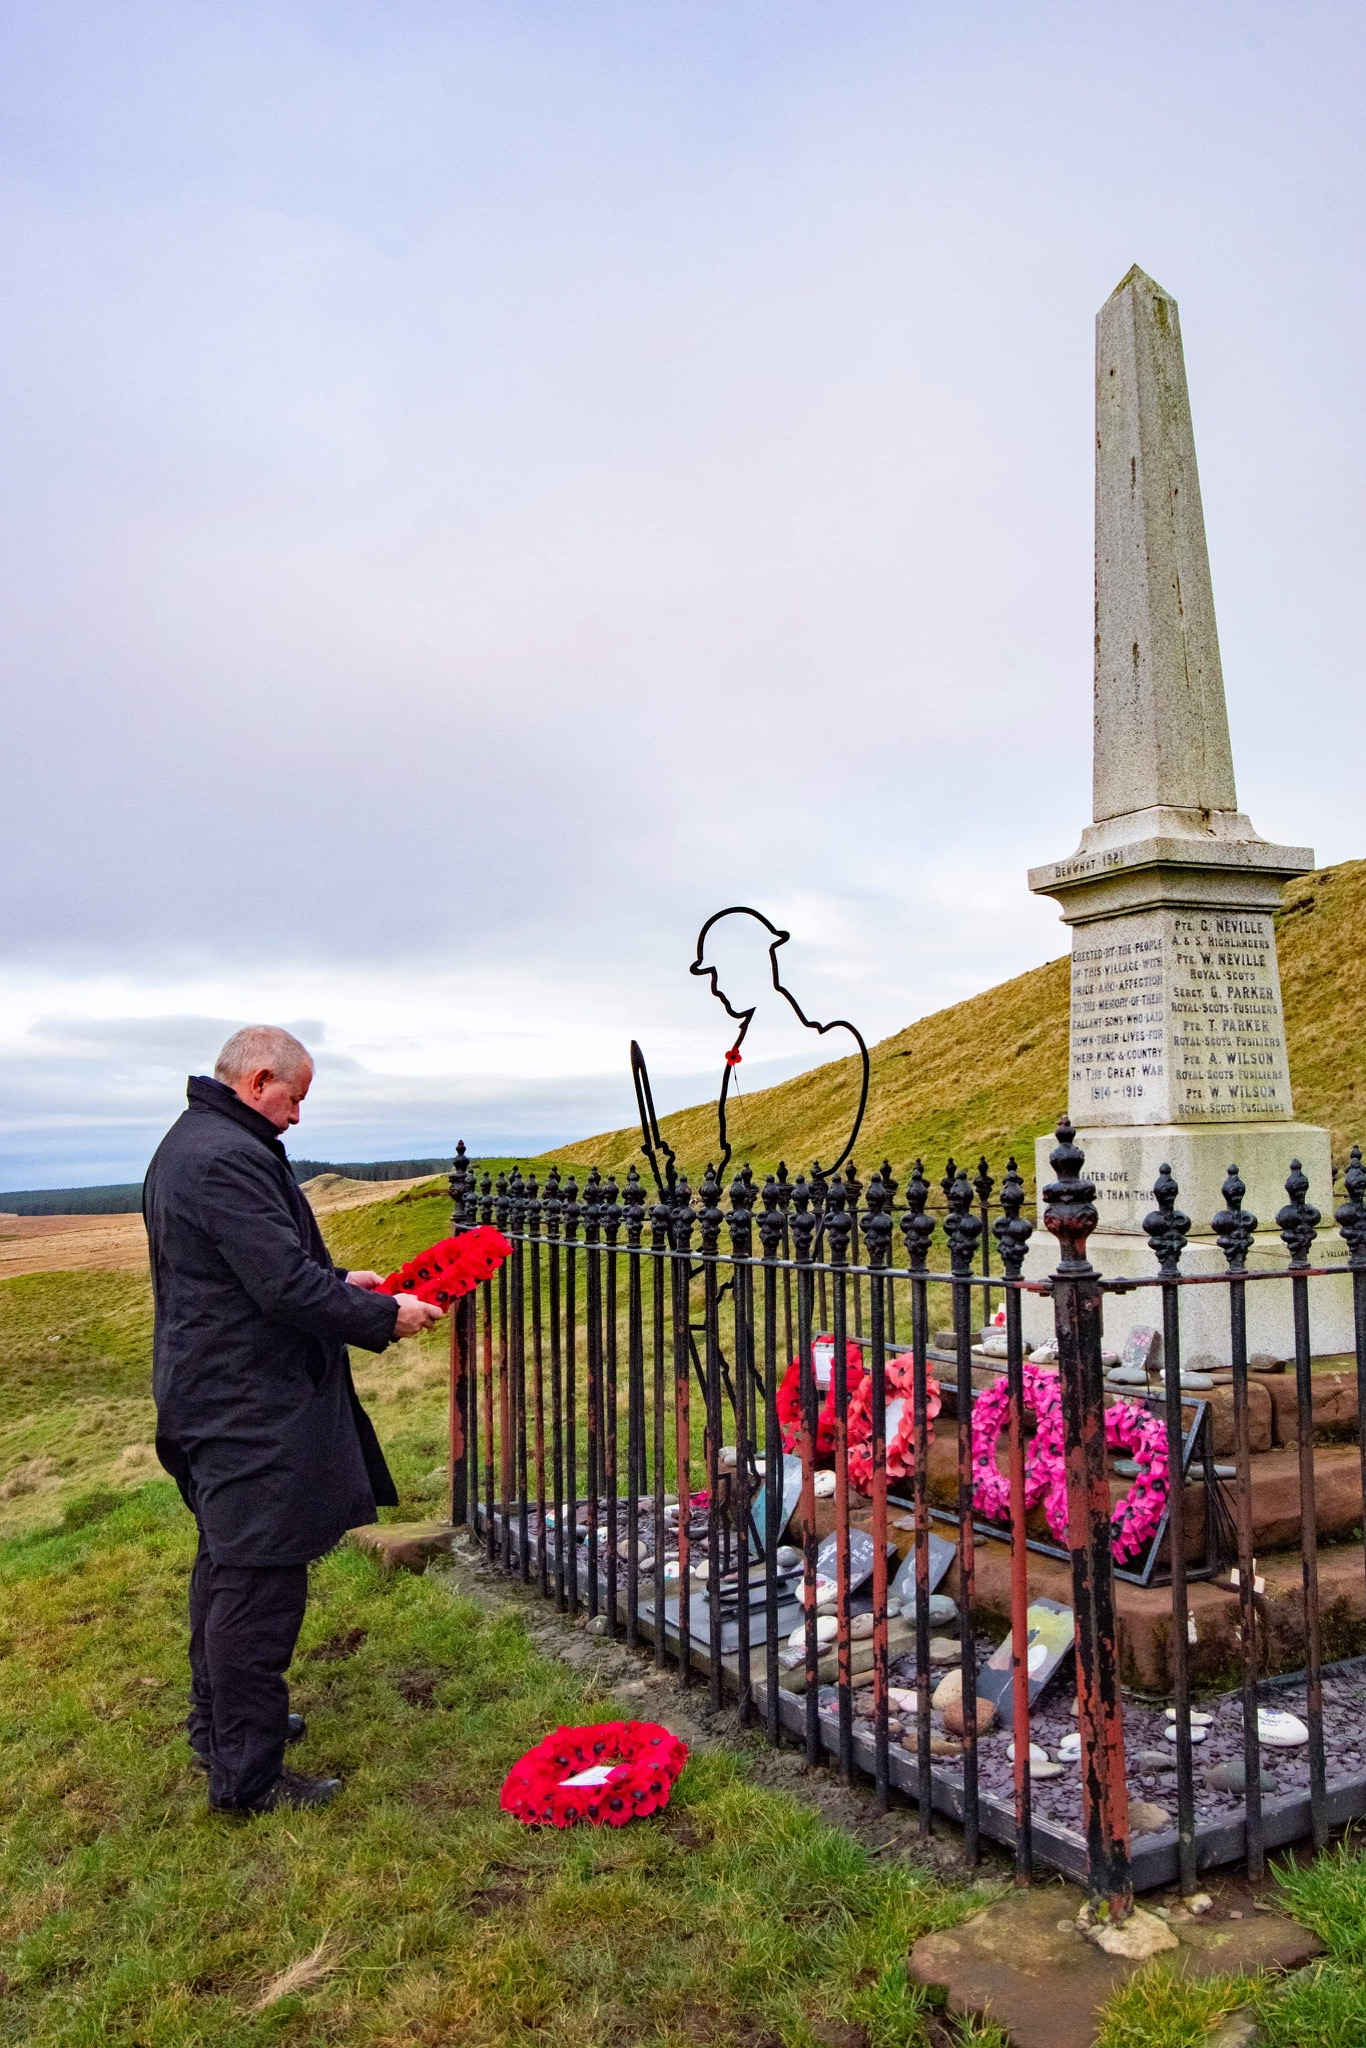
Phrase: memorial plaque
[1051,1638]
[1176,1018]
[861,1555]
[758,1511]
[941,1556]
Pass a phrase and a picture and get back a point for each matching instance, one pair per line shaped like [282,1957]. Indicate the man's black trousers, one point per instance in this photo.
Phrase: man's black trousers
[244,1623]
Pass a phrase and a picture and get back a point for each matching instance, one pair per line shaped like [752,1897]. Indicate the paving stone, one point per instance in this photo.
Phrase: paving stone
[1024,1964]
[1135,1940]
[404,1546]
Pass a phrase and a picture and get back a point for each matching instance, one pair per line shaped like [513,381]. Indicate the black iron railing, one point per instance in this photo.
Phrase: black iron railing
[654,1392]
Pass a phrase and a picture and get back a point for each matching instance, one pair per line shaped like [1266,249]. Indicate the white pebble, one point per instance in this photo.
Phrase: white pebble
[1036,1755]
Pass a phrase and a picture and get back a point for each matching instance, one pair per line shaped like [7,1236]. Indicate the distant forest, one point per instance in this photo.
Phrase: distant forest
[125,1198]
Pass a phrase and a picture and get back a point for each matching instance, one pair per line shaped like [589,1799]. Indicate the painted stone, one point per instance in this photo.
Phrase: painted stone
[1279,1730]
[1142,1348]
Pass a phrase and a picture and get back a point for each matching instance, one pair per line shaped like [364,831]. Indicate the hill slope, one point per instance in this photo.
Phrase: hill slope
[989,1074]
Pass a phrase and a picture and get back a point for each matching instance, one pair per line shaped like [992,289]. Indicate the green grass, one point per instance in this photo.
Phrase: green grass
[130,1915]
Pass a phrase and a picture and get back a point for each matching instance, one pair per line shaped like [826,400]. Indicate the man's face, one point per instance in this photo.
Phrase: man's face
[276,1100]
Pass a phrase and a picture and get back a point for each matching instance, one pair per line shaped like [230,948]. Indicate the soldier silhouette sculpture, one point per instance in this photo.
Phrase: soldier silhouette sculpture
[653,1143]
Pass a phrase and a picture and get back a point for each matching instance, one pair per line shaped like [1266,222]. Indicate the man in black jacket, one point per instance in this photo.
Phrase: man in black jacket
[258,1421]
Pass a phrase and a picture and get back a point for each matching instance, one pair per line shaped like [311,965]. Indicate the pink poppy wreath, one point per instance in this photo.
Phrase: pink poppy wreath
[606,1774]
[1136,1515]
[1043,1454]
[790,1403]
[900,1423]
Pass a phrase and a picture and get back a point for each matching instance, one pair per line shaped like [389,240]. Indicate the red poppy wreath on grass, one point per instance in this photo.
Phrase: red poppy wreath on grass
[606,1774]
[447,1270]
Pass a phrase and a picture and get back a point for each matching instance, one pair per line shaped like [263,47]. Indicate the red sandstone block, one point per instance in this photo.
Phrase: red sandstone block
[1335,1405]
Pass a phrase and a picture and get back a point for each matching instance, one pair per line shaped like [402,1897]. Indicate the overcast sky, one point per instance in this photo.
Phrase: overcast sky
[486,485]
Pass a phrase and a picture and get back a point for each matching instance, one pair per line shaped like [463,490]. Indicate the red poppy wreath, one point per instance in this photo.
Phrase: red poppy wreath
[790,1402]
[606,1774]
[447,1270]
[900,1422]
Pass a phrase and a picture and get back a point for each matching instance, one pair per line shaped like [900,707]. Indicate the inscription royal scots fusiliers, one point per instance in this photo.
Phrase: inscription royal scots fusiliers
[1176,1017]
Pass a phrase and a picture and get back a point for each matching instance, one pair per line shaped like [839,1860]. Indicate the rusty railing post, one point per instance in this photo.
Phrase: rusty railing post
[1071,1216]
[463,1408]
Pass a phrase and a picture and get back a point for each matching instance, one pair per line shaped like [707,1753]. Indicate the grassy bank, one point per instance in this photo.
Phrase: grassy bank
[413,1911]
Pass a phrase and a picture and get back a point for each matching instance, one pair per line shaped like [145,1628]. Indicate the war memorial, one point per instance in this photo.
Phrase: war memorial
[1050,1522]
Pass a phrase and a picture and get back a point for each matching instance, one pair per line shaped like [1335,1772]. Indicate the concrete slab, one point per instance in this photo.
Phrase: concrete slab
[1024,1964]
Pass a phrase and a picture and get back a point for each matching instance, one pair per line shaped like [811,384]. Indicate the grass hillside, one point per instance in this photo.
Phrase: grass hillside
[414,1913]
[989,1074]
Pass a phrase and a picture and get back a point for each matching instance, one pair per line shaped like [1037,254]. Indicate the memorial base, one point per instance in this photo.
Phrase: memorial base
[1123,1162]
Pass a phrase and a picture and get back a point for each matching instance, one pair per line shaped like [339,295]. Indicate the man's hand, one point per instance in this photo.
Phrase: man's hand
[367,1282]
[414,1315]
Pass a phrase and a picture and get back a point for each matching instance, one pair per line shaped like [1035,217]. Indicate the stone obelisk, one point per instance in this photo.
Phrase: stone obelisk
[1177,1038]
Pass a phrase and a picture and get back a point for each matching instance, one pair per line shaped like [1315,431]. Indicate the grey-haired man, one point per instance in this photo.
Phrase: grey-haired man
[258,1420]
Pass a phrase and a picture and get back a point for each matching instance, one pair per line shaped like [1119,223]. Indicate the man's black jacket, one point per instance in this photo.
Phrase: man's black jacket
[257,1418]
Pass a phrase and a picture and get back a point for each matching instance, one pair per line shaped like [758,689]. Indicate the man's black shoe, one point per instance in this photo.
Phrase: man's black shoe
[291,1788]
[295,1732]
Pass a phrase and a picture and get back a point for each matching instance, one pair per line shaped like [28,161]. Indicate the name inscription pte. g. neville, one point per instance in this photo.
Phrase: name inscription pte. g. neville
[1176,1018]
